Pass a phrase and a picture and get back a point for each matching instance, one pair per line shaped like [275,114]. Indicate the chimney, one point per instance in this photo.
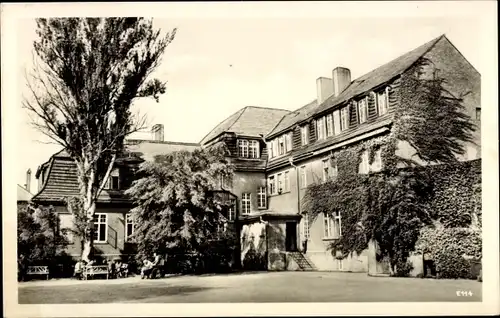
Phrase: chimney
[324,87]
[157,132]
[28,180]
[341,79]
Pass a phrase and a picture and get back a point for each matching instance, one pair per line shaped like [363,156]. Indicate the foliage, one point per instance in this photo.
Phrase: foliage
[87,73]
[39,240]
[392,206]
[177,211]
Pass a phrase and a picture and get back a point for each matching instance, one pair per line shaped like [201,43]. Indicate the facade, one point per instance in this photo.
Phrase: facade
[277,154]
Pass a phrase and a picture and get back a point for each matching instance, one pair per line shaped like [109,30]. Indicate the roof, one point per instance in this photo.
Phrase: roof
[23,194]
[249,121]
[62,178]
[359,86]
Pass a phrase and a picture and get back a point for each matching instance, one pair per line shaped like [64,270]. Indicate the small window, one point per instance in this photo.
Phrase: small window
[129,226]
[261,198]
[478,113]
[336,122]
[243,148]
[272,185]
[329,125]
[303,177]
[364,166]
[377,161]
[245,203]
[362,110]
[320,127]
[231,211]
[113,182]
[254,149]
[304,135]
[270,149]
[305,226]
[326,170]
[382,101]
[332,225]
[344,117]
[281,145]
[288,139]
[287,182]
[280,183]
[100,227]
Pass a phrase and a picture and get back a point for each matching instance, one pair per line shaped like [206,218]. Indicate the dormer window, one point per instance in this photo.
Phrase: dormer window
[113,182]
[248,148]
[362,110]
[382,101]
[281,145]
[304,134]
[344,118]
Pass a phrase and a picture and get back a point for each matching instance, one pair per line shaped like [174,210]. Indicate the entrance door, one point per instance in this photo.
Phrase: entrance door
[291,237]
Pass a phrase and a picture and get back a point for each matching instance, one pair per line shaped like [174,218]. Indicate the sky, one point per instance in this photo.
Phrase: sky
[216,66]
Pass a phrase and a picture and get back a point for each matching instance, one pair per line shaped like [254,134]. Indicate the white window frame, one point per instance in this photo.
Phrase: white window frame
[364,165]
[115,173]
[288,142]
[286,178]
[363,110]
[270,149]
[253,149]
[303,177]
[326,169]
[330,224]
[320,128]
[305,226]
[243,149]
[337,126]
[98,223]
[304,135]
[280,185]
[231,211]
[129,219]
[281,145]
[382,101]
[262,198]
[275,147]
[329,125]
[377,161]
[246,202]
[344,118]
[272,184]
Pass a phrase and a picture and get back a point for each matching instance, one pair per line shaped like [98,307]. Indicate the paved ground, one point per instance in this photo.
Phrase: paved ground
[250,287]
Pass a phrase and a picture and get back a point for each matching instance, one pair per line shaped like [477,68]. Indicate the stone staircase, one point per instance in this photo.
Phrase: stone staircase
[303,261]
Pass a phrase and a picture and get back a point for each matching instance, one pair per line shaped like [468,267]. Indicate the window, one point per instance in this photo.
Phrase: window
[288,139]
[231,211]
[226,182]
[280,182]
[270,149]
[304,135]
[377,161]
[336,122]
[332,225]
[320,127]
[364,167]
[334,169]
[305,226]
[281,145]
[245,203]
[100,227]
[287,182]
[129,226]
[275,147]
[272,185]
[344,117]
[329,125]
[303,178]
[113,182]
[254,148]
[261,198]
[326,170]
[362,110]
[382,101]
[243,148]
[478,113]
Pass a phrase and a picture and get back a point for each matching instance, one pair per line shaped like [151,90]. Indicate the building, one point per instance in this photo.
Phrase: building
[57,179]
[278,153]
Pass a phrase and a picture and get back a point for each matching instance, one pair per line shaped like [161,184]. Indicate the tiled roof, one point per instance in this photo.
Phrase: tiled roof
[23,194]
[249,121]
[62,176]
[359,86]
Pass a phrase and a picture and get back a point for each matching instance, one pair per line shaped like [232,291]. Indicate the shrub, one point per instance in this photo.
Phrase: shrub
[451,264]
[403,269]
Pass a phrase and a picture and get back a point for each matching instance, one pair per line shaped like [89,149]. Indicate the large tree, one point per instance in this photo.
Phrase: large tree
[87,73]
[178,210]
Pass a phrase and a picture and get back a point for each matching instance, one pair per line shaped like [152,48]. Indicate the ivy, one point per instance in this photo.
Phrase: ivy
[393,206]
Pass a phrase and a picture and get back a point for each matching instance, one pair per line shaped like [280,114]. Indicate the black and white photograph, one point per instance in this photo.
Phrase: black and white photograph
[271,158]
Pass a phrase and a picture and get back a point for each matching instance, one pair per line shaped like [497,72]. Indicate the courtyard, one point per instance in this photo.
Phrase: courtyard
[251,287]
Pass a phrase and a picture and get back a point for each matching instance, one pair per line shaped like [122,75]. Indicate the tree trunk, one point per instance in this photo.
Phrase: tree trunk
[89,208]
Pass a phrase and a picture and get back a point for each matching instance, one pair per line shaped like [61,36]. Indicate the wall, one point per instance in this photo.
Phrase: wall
[248,182]
[116,230]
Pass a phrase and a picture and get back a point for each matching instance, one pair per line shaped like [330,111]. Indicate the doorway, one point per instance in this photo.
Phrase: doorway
[291,237]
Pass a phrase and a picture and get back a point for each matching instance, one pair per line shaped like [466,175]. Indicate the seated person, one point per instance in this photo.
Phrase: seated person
[146,268]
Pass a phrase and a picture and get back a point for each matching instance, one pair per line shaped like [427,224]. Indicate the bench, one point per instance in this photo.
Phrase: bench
[95,270]
[38,270]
